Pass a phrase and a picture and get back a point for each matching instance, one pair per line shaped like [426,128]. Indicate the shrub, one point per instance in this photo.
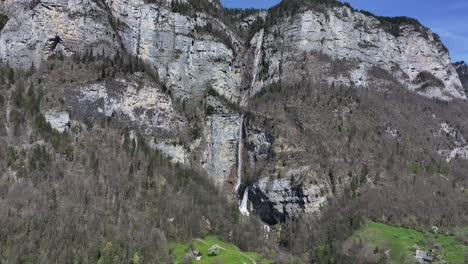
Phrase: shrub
[426,80]
[415,168]
[39,159]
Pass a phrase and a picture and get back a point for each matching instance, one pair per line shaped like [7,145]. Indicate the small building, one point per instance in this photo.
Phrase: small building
[213,251]
[422,256]
[197,255]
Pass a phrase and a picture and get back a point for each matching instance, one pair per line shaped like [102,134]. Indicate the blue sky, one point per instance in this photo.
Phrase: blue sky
[448,18]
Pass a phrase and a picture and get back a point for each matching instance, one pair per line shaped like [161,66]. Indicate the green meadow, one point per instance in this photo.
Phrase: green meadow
[228,253]
[402,242]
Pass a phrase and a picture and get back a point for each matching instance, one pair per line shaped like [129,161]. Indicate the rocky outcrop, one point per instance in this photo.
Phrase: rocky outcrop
[177,153]
[220,156]
[189,59]
[458,147]
[274,200]
[362,41]
[258,146]
[142,104]
[59,121]
[462,70]
[31,34]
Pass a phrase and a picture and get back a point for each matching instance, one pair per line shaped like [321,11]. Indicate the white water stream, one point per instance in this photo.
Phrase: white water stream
[243,206]
[258,55]
[245,98]
[239,153]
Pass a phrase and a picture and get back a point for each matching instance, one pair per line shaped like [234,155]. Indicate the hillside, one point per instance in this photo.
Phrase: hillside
[462,70]
[227,253]
[127,126]
[402,244]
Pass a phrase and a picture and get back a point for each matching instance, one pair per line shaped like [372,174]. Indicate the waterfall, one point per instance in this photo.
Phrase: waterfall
[243,206]
[258,53]
[266,231]
[239,154]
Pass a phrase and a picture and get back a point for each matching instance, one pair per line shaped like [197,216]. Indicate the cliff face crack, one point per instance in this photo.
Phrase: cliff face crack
[43,5]
[52,43]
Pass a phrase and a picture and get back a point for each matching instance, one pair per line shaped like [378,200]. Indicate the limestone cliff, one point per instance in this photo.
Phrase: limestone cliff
[462,70]
[363,42]
[220,65]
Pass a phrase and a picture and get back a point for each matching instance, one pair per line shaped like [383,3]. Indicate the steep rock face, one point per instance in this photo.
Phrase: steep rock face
[145,107]
[196,54]
[456,142]
[141,105]
[220,156]
[258,146]
[361,40]
[34,32]
[462,70]
[59,121]
[277,199]
[188,61]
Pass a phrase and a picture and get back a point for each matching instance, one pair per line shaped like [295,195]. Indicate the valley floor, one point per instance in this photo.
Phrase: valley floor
[228,253]
[400,244]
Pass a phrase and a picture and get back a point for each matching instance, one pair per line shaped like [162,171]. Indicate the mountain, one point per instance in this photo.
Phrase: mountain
[308,111]
[462,70]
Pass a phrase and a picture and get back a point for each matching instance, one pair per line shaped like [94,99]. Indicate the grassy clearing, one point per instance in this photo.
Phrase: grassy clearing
[228,254]
[402,243]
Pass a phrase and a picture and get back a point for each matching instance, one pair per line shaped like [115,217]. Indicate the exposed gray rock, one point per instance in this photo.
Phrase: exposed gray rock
[459,148]
[59,121]
[80,24]
[177,153]
[277,199]
[145,106]
[142,106]
[258,146]
[188,61]
[462,70]
[393,132]
[249,20]
[452,132]
[220,156]
[345,34]
[457,152]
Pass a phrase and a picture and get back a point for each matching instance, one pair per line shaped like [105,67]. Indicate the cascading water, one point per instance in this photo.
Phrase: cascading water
[244,101]
[266,231]
[258,53]
[239,153]
[243,206]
